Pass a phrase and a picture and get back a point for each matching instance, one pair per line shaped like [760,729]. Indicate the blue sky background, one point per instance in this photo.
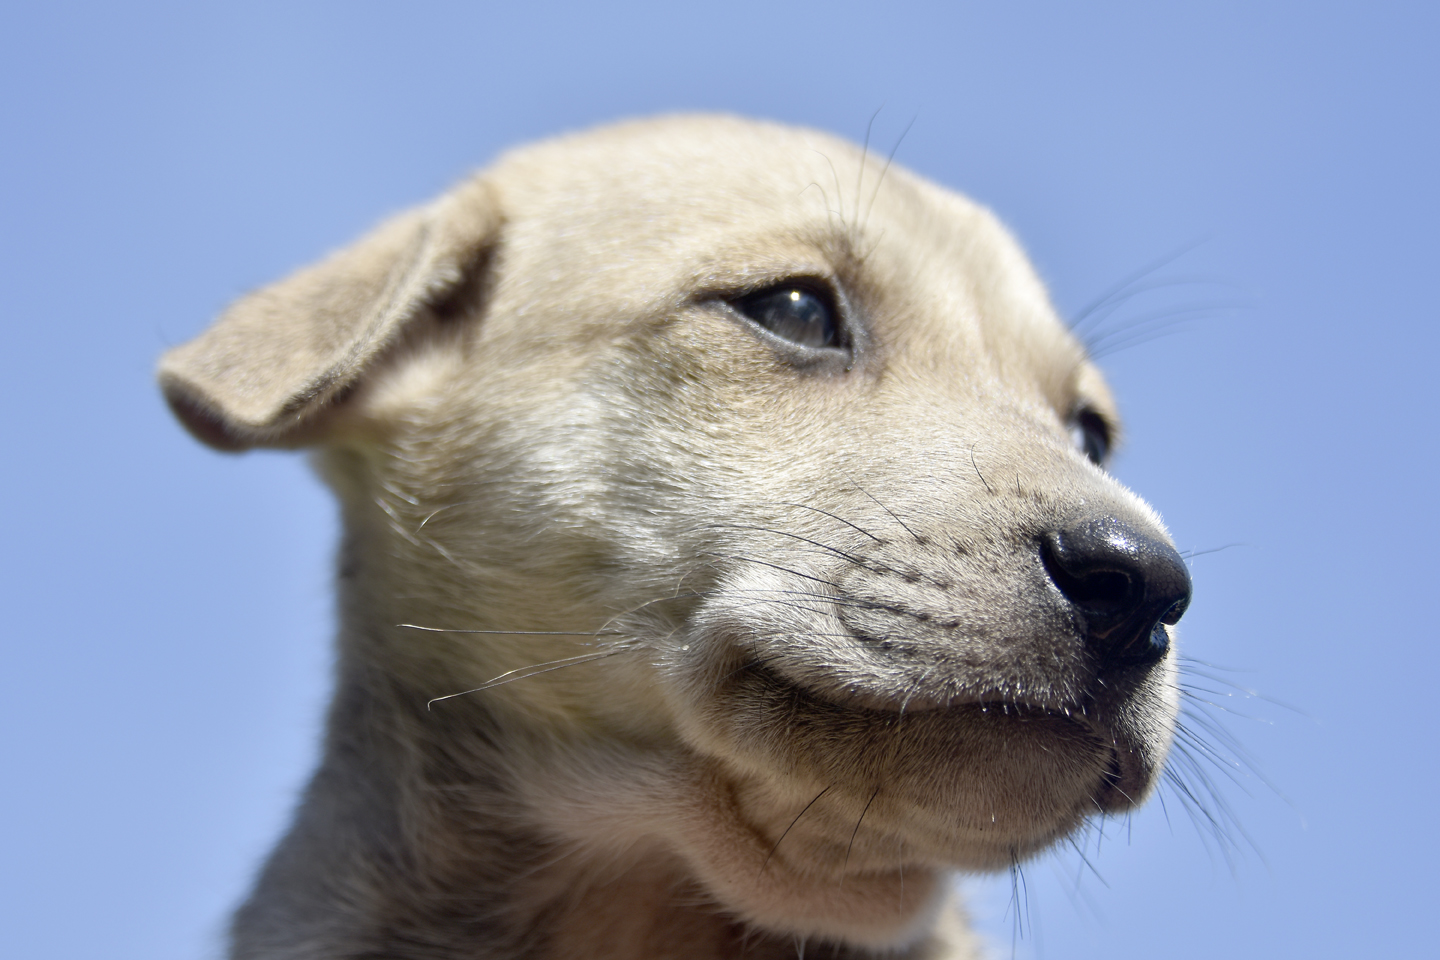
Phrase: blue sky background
[167,608]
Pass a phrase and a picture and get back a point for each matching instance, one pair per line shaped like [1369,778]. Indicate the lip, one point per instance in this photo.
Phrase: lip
[1124,784]
[861,701]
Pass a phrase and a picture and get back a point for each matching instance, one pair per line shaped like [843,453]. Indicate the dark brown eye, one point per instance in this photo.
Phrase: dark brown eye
[795,313]
[1091,436]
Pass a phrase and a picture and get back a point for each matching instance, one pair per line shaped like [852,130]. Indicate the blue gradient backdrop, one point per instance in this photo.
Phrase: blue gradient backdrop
[167,609]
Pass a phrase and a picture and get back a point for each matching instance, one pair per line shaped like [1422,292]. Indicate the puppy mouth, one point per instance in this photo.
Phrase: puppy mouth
[859,700]
[1123,785]
[1122,781]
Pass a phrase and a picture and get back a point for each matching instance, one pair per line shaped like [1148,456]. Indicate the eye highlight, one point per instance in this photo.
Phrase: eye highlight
[795,313]
[1091,436]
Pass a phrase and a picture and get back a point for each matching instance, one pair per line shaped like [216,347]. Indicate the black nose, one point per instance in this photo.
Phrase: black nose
[1123,582]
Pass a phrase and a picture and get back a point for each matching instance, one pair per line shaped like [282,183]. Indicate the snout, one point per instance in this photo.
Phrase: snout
[1021,673]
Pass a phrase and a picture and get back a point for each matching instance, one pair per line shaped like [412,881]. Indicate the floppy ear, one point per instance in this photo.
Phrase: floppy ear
[268,369]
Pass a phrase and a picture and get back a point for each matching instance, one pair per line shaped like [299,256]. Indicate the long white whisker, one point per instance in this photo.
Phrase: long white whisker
[521,673]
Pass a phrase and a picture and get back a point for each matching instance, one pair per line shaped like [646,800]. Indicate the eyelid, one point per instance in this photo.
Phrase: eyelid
[818,285]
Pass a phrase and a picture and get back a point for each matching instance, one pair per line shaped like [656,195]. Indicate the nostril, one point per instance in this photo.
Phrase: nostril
[1123,582]
[1173,615]
[1101,591]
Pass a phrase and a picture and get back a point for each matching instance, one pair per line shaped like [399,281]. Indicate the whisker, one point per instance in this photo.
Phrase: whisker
[860,177]
[1196,695]
[918,539]
[692,595]
[774,566]
[839,191]
[978,473]
[1190,665]
[604,630]
[515,633]
[1080,852]
[1125,282]
[1189,555]
[821,601]
[523,673]
[1109,341]
[804,506]
[886,169]
[1137,290]
[858,561]
[1019,901]
[856,832]
[789,828]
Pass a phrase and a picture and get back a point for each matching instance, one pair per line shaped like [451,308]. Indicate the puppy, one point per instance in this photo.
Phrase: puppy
[729,555]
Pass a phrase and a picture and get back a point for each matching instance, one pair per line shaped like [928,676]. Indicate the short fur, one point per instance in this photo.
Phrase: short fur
[777,648]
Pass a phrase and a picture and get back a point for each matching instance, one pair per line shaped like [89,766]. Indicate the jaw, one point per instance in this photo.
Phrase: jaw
[861,859]
[862,856]
[801,812]
[839,820]
[756,857]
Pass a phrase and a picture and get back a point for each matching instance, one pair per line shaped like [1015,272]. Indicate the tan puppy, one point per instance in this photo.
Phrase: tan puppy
[762,492]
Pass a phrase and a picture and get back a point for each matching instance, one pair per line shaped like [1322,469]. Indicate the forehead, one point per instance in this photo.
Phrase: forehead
[635,219]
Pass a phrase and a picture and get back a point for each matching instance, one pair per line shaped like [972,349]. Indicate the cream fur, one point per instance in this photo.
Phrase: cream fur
[826,666]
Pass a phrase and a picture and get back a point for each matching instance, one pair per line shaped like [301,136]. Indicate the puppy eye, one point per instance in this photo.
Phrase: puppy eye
[793,313]
[1091,436]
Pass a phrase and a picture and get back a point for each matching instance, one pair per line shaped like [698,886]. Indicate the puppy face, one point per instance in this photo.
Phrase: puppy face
[795,467]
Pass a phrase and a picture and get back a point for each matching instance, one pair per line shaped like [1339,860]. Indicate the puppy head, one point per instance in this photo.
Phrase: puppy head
[804,449]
